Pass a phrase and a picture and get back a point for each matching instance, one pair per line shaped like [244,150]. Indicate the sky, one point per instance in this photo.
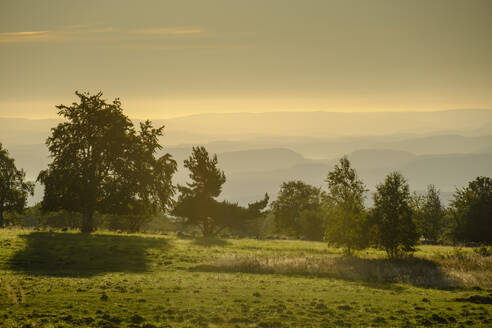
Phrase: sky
[174,58]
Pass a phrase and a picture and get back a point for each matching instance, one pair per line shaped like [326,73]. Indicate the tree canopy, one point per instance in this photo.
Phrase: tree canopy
[13,187]
[345,207]
[472,211]
[197,203]
[394,228]
[101,163]
[429,213]
[297,210]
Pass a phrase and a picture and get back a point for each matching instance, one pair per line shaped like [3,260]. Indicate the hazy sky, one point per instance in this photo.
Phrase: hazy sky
[171,58]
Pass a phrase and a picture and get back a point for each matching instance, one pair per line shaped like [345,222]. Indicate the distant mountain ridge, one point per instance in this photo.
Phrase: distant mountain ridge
[320,124]
[325,124]
[447,172]
[257,157]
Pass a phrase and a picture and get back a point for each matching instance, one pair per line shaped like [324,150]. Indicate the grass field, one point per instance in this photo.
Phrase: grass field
[64,279]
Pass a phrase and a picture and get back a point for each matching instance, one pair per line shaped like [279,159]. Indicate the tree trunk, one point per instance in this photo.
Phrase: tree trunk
[1,217]
[207,231]
[87,221]
[207,228]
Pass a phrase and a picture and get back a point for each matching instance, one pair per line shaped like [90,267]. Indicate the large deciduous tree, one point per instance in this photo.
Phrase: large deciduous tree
[101,163]
[345,207]
[297,210]
[13,187]
[395,231]
[471,209]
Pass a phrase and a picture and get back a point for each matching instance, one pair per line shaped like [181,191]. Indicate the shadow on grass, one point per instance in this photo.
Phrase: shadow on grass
[210,241]
[376,273]
[83,255]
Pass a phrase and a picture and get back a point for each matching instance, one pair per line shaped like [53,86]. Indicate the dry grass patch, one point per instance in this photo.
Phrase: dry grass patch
[469,268]
[443,272]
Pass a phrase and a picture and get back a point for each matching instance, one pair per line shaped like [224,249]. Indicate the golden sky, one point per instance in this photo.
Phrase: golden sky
[173,58]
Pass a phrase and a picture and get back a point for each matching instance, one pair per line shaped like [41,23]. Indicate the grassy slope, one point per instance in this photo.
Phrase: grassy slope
[109,280]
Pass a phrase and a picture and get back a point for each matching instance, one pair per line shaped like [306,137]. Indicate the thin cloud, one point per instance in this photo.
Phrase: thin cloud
[24,36]
[168,31]
[24,33]
[90,32]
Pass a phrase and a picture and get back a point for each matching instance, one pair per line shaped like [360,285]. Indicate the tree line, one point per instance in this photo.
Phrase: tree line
[395,222]
[101,164]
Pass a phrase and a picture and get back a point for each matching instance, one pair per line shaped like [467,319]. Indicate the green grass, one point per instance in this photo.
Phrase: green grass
[54,279]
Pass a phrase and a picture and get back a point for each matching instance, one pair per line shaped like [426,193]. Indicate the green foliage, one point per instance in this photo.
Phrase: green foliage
[312,223]
[59,219]
[429,213]
[101,163]
[345,220]
[206,178]
[295,198]
[197,203]
[393,227]
[246,221]
[242,221]
[13,187]
[471,210]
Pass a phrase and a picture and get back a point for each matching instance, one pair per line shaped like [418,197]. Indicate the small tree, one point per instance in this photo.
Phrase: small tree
[395,231]
[294,198]
[197,200]
[13,187]
[429,213]
[101,163]
[471,210]
[238,219]
[345,207]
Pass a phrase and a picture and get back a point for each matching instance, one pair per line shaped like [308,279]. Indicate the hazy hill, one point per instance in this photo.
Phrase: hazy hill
[206,128]
[32,158]
[332,123]
[329,148]
[445,171]
[260,151]
[259,159]
[377,158]
[420,145]
[20,131]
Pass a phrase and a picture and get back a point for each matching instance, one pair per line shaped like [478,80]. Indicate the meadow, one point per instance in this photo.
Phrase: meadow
[108,279]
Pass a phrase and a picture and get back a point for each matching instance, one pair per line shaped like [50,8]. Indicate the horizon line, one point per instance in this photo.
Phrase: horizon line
[272,112]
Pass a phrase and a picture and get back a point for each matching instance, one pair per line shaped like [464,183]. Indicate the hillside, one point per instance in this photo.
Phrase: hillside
[67,279]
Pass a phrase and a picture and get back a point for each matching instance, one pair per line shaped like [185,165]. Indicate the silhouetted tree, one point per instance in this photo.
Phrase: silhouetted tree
[345,207]
[236,218]
[101,163]
[395,231]
[429,213]
[294,198]
[197,203]
[13,187]
[471,210]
